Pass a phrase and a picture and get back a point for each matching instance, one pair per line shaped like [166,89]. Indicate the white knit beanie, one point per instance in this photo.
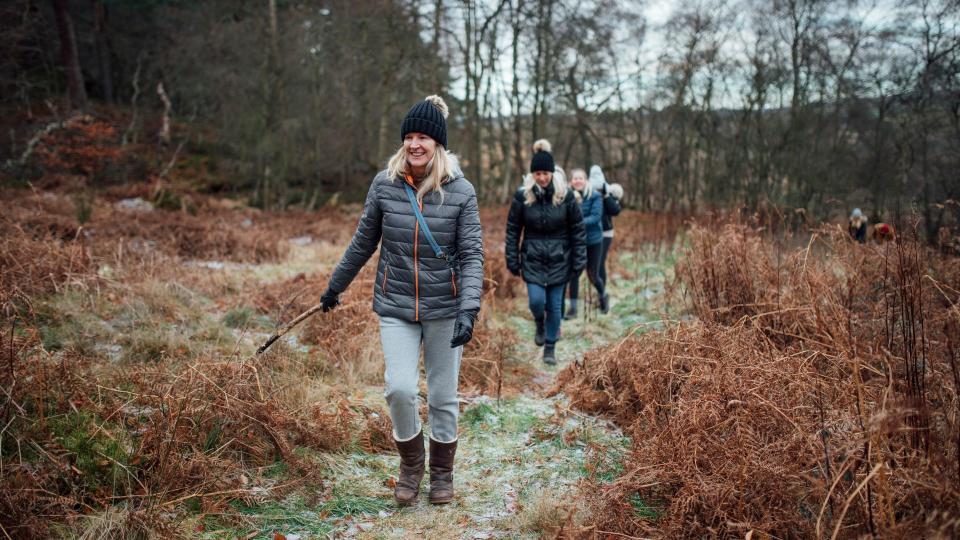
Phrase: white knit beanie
[596,178]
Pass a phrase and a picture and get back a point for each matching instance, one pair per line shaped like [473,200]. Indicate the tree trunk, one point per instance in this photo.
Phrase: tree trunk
[103,49]
[515,23]
[437,22]
[271,175]
[69,56]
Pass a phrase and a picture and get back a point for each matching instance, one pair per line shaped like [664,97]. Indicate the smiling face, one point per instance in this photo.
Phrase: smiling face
[419,149]
[543,178]
[578,180]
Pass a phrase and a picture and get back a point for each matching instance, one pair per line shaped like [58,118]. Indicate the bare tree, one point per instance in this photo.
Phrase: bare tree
[102,45]
[69,55]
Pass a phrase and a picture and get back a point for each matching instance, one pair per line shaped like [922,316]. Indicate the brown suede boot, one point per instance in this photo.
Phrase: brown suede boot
[411,470]
[441,471]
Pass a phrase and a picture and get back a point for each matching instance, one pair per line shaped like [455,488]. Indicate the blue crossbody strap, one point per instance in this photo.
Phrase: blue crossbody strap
[423,224]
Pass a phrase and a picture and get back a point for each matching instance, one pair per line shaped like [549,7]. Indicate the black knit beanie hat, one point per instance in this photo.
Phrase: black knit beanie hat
[427,117]
[542,158]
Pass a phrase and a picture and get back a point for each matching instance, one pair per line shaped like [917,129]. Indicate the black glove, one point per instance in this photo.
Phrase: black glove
[463,328]
[329,300]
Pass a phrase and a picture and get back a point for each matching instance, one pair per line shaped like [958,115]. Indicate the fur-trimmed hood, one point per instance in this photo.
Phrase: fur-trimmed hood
[615,190]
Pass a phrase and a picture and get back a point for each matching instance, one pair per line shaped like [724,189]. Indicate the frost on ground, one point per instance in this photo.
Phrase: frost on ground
[141,405]
[520,460]
[519,463]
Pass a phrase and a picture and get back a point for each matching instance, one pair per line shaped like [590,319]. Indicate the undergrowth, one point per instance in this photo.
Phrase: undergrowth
[814,395]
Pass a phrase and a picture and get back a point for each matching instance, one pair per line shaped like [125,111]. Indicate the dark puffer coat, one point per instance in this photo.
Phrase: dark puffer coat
[412,283]
[554,244]
[611,208]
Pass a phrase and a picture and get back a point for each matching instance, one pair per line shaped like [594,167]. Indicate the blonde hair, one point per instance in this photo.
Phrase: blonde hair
[559,187]
[587,186]
[441,166]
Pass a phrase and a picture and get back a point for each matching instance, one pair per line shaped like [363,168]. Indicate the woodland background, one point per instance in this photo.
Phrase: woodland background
[820,105]
[179,178]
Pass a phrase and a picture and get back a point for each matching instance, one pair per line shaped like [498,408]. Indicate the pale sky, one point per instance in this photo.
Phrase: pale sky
[656,13]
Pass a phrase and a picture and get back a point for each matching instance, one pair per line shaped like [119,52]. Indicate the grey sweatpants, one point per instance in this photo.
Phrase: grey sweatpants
[401,342]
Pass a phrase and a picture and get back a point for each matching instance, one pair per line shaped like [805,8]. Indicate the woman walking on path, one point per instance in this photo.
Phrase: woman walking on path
[591,206]
[611,194]
[546,214]
[857,226]
[611,208]
[425,295]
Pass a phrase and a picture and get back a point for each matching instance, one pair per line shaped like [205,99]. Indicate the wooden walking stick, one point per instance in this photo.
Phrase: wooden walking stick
[287,327]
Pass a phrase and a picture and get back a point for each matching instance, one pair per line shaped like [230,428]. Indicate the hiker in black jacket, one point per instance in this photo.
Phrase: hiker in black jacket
[547,217]
[612,194]
[424,301]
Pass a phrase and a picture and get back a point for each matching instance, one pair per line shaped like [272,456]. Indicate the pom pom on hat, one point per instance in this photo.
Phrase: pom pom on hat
[440,104]
[542,158]
[541,145]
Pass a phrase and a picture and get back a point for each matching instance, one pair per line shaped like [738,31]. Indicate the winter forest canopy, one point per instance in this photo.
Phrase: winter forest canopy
[811,104]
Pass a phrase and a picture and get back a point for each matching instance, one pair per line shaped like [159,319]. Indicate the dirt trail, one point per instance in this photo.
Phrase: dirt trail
[519,460]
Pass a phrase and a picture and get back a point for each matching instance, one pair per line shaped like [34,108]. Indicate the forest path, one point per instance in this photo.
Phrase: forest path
[520,459]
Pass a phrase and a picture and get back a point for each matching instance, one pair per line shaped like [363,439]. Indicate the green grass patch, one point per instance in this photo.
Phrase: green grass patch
[608,461]
[509,417]
[479,414]
[278,469]
[72,319]
[246,317]
[291,516]
[154,343]
[213,334]
[83,205]
[98,450]
[238,317]
[347,504]
[643,510]
[156,321]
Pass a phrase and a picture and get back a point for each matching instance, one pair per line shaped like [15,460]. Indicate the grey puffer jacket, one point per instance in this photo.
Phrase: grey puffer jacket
[412,283]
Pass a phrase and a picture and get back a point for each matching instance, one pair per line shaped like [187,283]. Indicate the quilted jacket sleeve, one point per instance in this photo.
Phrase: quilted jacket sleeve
[470,250]
[363,244]
[592,210]
[514,228]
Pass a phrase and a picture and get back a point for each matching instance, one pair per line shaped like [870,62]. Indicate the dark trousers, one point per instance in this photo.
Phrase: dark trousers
[547,302]
[860,233]
[607,240]
[594,255]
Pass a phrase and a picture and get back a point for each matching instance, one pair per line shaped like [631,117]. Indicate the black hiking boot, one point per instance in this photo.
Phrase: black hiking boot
[549,354]
[605,304]
[541,334]
[571,310]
